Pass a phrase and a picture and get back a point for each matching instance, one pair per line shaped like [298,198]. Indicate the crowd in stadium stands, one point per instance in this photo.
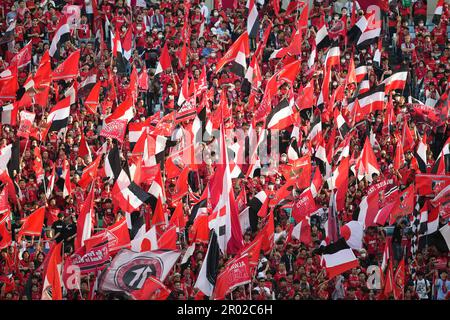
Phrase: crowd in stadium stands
[291,269]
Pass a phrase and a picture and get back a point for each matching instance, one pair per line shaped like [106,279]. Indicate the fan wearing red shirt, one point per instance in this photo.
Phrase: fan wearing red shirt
[35,33]
[119,19]
[371,243]
[84,32]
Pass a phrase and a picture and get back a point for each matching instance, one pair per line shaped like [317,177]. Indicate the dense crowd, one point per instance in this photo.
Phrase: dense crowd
[291,269]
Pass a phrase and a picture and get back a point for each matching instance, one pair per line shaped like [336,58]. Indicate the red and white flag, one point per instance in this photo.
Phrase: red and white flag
[52,287]
[224,219]
[367,164]
[165,61]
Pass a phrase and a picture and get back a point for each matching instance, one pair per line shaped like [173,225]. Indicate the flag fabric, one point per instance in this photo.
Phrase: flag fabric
[322,38]
[236,273]
[115,129]
[152,289]
[33,224]
[23,57]
[124,111]
[116,236]
[129,195]
[421,154]
[8,35]
[352,232]
[68,69]
[304,206]
[256,204]
[127,44]
[135,268]
[9,114]
[399,281]
[405,204]
[440,239]
[281,116]
[58,117]
[442,163]
[236,54]
[367,164]
[438,11]
[52,287]
[62,35]
[111,166]
[429,219]
[89,173]
[146,242]
[92,100]
[85,220]
[430,184]
[207,276]
[338,257]
[224,219]
[371,34]
[355,32]
[396,81]
[252,20]
[302,231]
[165,61]
[369,101]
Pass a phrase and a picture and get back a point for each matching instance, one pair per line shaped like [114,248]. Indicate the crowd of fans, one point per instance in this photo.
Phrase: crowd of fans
[290,270]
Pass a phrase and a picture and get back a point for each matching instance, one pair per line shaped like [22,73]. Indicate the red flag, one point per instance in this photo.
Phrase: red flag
[165,62]
[351,76]
[23,57]
[268,232]
[183,55]
[290,71]
[304,206]
[83,149]
[299,169]
[405,204]
[276,7]
[302,231]
[5,228]
[51,289]
[26,123]
[37,165]
[8,89]
[306,97]
[4,204]
[389,280]
[233,51]
[68,69]
[367,163]
[178,219]
[253,251]
[407,138]
[399,281]
[159,218]
[5,178]
[91,101]
[117,235]
[33,224]
[340,182]
[115,129]
[168,240]
[85,223]
[236,273]
[89,173]
[152,289]
[399,159]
